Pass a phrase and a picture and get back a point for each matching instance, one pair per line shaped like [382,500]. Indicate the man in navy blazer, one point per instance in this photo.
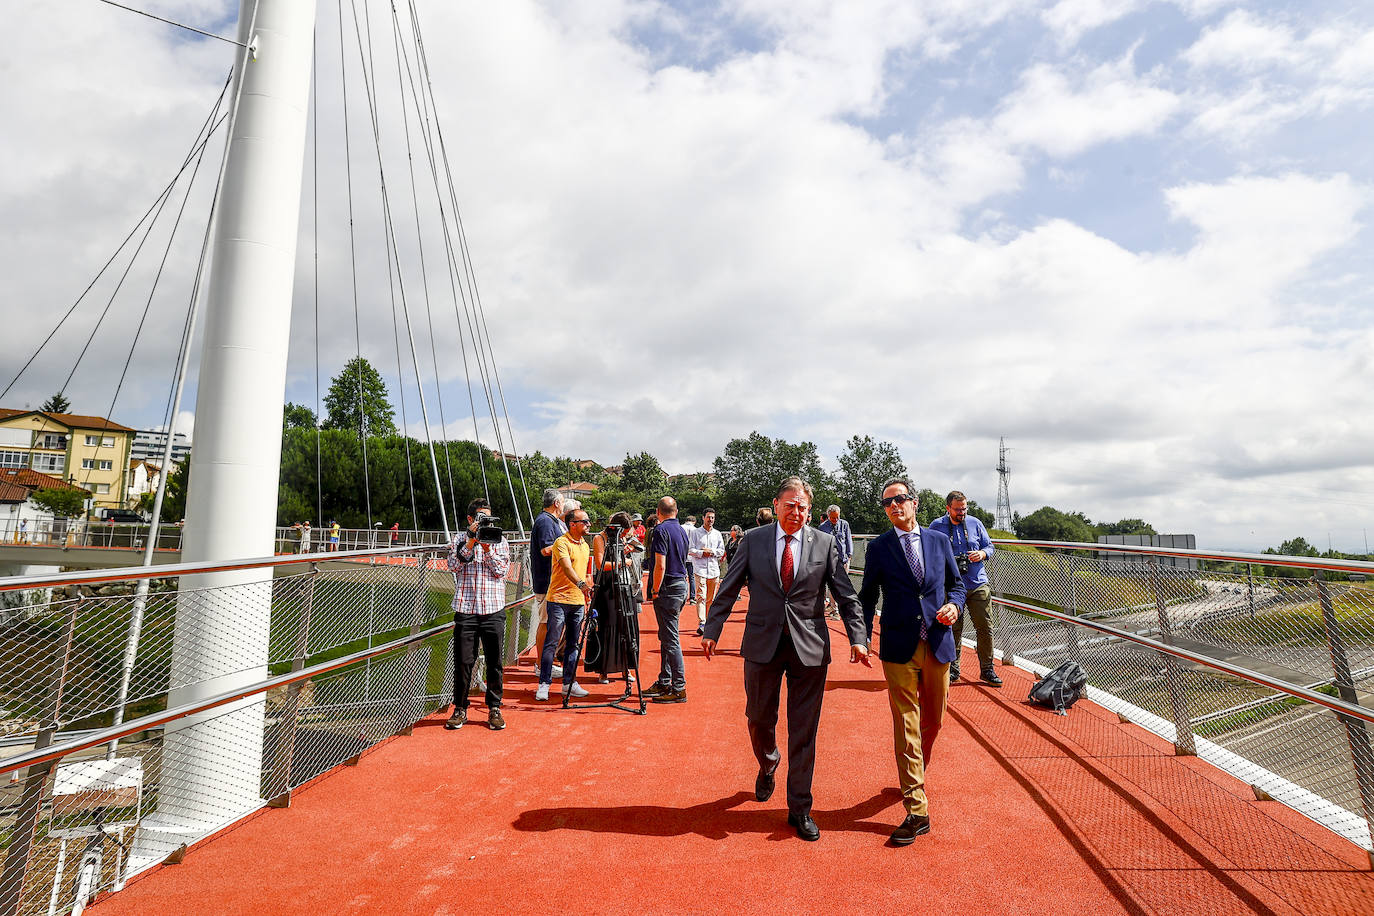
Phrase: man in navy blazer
[923,595]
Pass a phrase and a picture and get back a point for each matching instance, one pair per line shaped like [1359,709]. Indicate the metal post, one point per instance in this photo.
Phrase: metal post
[1070,631]
[1250,588]
[212,765]
[1356,731]
[286,733]
[17,857]
[1003,633]
[1173,676]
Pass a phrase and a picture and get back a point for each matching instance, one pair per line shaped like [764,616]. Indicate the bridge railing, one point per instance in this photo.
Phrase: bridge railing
[95,789]
[1260,664]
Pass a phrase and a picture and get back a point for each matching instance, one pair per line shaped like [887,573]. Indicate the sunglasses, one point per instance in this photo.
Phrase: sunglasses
[580,521]
[899,499]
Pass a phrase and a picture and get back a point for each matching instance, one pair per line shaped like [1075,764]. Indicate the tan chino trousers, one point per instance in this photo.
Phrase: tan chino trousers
[916,691]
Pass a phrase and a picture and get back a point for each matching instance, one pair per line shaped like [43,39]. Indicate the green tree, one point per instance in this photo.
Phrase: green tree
[1050,524]
[641,474]
[865,464]
[58,403]
[174,500]
[61,502]
[297,416]
[1127,526]
[357,401]
[983,515]
[749,471]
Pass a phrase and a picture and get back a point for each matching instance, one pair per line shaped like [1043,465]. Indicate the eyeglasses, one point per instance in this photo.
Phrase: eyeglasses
[899,499]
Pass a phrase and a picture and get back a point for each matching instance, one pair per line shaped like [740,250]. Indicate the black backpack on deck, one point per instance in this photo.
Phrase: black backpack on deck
[1061,688]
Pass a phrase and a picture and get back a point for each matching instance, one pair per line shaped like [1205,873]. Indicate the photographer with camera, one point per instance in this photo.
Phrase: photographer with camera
[479,559]
[972,546]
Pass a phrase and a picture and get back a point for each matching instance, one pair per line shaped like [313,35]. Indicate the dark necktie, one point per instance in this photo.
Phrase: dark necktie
[915,563]
[787,571]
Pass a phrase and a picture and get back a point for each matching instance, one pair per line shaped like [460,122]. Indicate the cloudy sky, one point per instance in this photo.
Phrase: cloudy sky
[1131,237]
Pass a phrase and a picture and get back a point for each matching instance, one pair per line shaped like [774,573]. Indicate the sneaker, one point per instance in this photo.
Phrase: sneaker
[671,696]
[577,690]
[495,721]
[656,690]
[457,720]
[557,670]
[541,692]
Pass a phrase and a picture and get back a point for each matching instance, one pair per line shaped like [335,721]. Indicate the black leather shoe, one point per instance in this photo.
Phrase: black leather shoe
[953,673]
[806,828]
[990,677]
[908,830]
[763,786]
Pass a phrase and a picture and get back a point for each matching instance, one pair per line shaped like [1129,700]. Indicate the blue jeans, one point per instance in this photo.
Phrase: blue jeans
[672,594]
[561,617]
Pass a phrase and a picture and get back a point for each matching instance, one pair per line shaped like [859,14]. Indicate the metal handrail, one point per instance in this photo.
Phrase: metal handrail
[1257,559]
[1264,680]
[172,570]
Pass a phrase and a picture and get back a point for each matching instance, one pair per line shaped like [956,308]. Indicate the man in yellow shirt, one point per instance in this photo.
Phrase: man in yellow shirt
[570,589]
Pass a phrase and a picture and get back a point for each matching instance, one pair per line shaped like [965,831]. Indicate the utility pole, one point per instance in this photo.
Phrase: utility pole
[1003,520]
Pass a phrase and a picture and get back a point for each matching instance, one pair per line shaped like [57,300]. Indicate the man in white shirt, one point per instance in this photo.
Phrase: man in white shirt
[705,548]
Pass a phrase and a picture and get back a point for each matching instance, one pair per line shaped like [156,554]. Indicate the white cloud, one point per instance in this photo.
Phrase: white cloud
[1050,112]
[724,246]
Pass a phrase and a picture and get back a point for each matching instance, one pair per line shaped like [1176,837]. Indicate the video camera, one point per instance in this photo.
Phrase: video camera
[489,529]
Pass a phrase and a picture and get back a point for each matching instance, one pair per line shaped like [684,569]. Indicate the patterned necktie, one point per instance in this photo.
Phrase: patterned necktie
[915,563]
[787,571]
[911,559]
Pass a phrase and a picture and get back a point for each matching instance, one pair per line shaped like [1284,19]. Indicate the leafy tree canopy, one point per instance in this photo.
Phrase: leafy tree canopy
[865,464]
[62,503]
[749,471]
[297,416]
[1050,524]
[642,473]
[357,401]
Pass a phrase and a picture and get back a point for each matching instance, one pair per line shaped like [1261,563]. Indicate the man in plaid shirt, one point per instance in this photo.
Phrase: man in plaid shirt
[479,615]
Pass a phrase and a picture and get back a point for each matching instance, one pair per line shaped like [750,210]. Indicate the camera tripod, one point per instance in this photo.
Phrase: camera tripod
[616,598]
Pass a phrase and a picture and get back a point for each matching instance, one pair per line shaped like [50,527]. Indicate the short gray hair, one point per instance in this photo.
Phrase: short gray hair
[829,509]
[551,497]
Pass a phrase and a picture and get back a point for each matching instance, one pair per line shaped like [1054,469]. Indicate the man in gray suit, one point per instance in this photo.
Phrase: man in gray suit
[788,568]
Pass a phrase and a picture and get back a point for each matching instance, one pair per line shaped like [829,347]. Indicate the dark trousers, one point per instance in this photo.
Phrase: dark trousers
[762,694]
[471,632]
[976,606]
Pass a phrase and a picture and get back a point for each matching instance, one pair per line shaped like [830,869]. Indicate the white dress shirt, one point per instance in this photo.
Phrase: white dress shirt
[705,549]
[796,548]
[915,535]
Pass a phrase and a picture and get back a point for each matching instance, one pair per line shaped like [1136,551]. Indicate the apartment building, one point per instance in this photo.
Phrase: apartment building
[89,452]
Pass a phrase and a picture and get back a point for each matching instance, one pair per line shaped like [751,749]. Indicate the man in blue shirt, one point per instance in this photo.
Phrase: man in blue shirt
[970,541]
[548,527]
[838,528]
[668,586]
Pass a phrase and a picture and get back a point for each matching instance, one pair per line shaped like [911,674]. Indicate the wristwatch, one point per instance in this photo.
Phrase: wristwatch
[582,583]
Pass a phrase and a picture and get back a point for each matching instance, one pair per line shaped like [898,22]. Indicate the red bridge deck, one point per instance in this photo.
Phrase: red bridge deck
[601,811]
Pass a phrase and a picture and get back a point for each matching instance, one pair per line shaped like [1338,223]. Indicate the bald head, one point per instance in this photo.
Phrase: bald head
[667,507]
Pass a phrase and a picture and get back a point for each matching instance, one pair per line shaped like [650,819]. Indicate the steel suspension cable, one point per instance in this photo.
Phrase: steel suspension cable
[202,137]
[386,205]
[148,303]
[423,63]
[398,51]
[450,263]
[353,265]
[315,234]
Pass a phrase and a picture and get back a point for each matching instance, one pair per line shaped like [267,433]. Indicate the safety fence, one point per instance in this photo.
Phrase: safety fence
[120,744]
[1260,664]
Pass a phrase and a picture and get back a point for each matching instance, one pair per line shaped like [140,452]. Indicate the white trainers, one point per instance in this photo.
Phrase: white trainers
[541,692]
[557,670]
[577,690]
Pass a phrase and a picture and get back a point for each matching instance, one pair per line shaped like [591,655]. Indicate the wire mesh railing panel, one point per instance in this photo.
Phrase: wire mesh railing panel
[1306,631]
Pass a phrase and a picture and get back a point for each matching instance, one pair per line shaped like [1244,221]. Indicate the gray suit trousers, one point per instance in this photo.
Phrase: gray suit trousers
[762,696]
